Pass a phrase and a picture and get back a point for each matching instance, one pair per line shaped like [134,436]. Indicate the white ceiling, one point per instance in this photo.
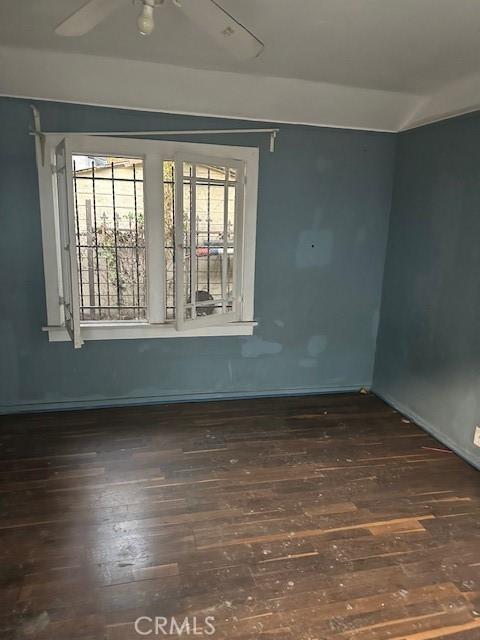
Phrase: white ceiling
[414,50]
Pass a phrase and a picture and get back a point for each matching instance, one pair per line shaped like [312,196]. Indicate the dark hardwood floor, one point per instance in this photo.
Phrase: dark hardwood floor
[306,518]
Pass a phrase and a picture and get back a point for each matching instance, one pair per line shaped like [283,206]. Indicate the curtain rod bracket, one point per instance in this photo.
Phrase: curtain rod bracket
[273,137]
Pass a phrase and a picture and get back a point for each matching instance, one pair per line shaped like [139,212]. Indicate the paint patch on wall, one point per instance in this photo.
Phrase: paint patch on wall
[255,346]
[316,345]
[314,248]
[307,363]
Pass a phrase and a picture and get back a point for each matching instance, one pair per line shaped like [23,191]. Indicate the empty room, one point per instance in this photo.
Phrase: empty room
[240,327]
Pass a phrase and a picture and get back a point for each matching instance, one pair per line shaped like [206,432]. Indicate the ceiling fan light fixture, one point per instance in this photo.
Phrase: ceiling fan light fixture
[145,22]
[209,15]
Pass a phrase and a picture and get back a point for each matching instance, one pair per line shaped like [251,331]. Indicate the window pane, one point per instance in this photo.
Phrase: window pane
[230,234]
[213,215]
[209,204]
[169,205]
[110,233]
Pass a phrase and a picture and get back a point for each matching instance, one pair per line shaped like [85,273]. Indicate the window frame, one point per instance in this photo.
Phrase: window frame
[180,306]
[153,154]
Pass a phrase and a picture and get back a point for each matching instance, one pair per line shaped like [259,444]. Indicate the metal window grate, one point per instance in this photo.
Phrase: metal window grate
[110,237]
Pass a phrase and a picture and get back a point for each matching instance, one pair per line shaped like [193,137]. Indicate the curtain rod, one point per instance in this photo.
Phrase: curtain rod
[183,132]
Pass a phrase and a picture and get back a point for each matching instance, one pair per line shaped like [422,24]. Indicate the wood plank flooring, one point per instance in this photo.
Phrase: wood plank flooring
[312,518]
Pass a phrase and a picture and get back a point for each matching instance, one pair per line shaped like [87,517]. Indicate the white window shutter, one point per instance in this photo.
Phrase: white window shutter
[225,305]
[66,218]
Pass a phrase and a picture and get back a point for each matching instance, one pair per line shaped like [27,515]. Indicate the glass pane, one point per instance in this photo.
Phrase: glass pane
[230,245]
[210,172]
[110,232]
[212,190]
[209,204]
[187,241]
[209,213]
[169,207]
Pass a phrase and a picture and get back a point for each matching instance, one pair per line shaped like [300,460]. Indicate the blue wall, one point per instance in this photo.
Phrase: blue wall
[428,354]
[317,306]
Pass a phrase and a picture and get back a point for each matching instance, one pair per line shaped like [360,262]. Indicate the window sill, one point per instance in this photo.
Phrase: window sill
[133,330]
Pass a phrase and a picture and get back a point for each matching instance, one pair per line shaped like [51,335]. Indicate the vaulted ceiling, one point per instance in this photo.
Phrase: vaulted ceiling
[375,64]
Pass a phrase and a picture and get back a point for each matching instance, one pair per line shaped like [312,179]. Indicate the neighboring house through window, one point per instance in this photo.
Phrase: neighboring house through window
[147,238]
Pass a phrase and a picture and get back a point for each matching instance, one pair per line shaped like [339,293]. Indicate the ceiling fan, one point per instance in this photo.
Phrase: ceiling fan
[207,14]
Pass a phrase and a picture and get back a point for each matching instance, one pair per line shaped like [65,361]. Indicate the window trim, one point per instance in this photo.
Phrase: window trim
[158,151]
[127,330]
[71,298]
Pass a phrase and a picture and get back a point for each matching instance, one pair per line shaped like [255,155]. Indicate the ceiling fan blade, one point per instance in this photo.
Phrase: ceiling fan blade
[223,27]
[87,17]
